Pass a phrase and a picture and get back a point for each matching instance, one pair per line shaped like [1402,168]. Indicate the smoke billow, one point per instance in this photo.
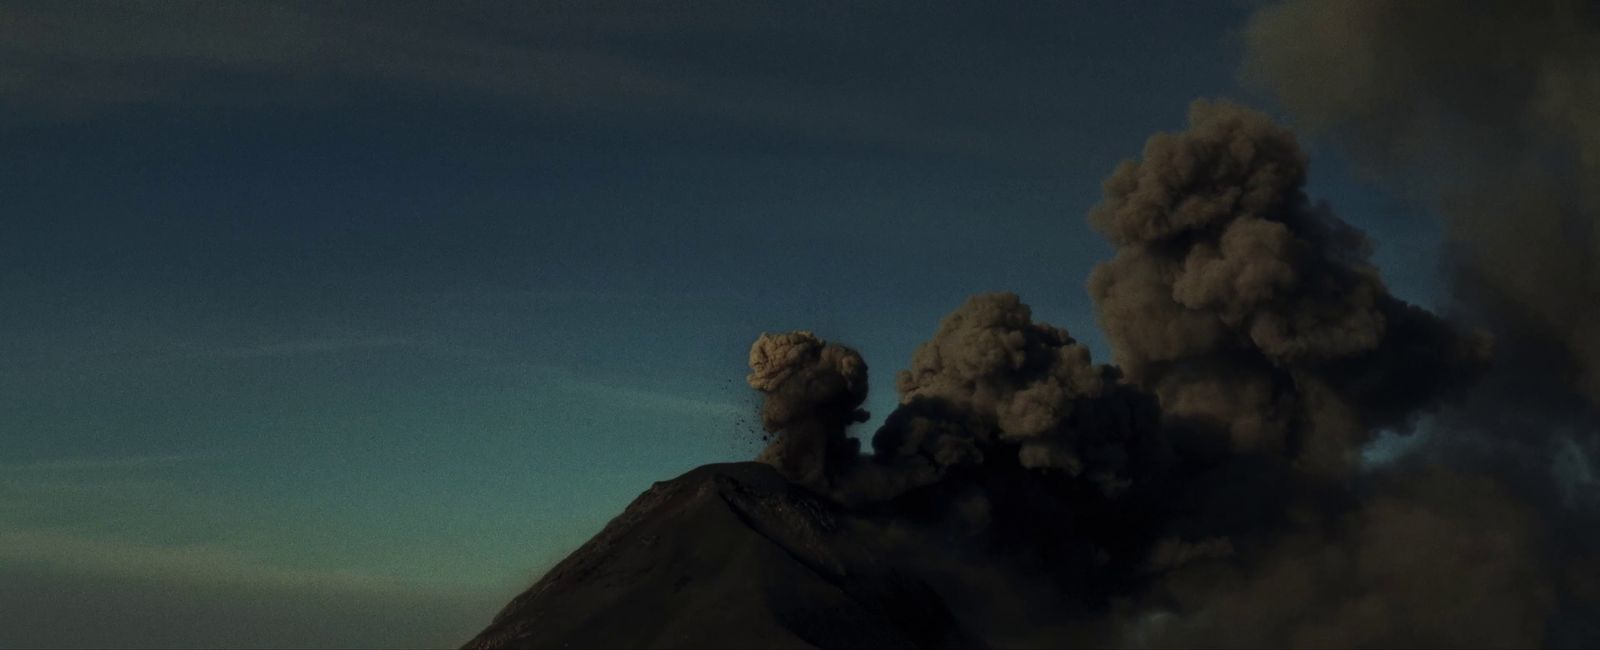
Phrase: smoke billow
[1209,489]
[1246,309]
[1239,303]
[992,379]
[1489,118]
[813,391]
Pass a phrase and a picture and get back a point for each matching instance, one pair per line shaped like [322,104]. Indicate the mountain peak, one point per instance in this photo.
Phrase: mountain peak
[727,555]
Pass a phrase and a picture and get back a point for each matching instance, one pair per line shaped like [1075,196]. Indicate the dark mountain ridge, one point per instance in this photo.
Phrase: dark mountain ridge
[727,556]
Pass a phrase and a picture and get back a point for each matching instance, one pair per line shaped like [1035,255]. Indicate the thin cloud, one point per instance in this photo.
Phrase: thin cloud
[192,563]
[295,348]
[587,60]
[99,464]
[139,351]
[168,596]
[634,396]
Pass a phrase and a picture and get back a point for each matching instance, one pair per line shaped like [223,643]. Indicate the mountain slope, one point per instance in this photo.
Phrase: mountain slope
[727,555]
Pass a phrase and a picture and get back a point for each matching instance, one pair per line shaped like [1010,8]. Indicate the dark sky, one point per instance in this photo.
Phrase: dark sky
[342,317]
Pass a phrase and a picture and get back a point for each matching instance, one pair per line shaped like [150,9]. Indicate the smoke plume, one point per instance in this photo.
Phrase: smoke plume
[992,381]
[1489,118]
[1240,304]
[813,391]
[1486,118]
[1249,310]
[1209,488]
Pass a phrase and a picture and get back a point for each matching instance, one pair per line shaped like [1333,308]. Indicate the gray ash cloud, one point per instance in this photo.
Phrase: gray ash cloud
[1207,487]
[1488,119]
[811,391]
[1240,303]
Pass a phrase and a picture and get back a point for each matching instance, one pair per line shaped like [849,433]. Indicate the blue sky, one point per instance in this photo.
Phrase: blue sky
[391,306]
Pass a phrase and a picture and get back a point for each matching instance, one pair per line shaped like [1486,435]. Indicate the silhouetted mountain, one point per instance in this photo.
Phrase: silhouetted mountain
[729,556]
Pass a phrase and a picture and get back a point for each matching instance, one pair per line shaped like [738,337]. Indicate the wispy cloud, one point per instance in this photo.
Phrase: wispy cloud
[595,59]
[136,351]
[631,299]
[83,59]
[102,463]
[292,348]
[636,397]
[100,492]
[167,596]
[190,563]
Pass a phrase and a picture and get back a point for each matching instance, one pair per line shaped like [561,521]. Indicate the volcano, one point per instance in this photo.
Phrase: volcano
[727,556]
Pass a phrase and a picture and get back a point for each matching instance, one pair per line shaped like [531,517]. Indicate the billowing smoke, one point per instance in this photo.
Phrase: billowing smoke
[1243,306]
[813,391]
[1488,117]
[1209,489]
[1247,309]
[992,381]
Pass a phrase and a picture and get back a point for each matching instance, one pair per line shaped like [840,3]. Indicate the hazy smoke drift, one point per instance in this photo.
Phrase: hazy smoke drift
[1490,114]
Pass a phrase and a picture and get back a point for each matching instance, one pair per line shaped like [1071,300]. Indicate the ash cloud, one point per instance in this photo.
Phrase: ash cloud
[1208,488]
[1432,560]
[992,381]
[812,391]
[1486,118]
[1241,304]
[1249,311]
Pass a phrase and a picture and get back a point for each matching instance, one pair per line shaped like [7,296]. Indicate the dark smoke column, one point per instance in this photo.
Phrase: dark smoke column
[1256,319]
[1248,309]
[813,390]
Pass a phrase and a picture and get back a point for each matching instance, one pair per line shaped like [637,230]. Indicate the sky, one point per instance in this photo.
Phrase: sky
[334,324]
